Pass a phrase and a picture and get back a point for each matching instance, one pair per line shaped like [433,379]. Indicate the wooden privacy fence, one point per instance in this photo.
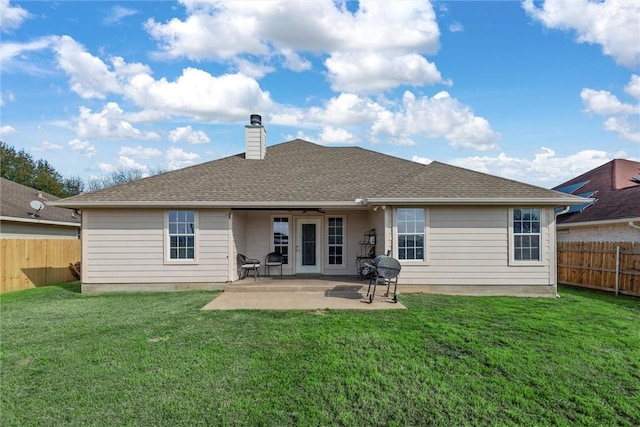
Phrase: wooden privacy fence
[596,265]
[27,263]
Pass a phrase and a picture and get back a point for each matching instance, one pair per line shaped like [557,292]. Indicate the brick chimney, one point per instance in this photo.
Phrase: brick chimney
[255,138]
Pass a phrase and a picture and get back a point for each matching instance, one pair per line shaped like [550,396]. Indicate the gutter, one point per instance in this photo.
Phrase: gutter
[632,225]
[39,221]
[600,222]
[493,201]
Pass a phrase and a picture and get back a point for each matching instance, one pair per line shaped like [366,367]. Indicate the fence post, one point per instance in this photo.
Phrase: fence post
[617,269]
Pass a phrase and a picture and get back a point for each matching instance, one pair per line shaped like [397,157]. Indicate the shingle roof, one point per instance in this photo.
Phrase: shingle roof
[300,171]
[617,193]
[15,199]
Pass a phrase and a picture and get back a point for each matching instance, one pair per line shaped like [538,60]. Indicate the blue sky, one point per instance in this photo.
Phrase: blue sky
[534,91]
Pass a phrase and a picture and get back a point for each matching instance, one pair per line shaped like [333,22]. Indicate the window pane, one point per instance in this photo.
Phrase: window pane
[181,229]
[411,229]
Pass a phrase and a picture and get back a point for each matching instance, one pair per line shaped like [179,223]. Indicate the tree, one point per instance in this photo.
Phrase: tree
[120,176]
[19,166]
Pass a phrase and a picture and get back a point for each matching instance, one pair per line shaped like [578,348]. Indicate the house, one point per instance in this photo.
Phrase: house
[613,214]
[454,230]
[25,214]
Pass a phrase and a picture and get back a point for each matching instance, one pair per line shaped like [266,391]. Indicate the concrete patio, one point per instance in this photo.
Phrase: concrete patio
[301,292]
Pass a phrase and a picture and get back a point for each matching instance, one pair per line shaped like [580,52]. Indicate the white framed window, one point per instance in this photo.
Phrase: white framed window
[411,228]
[280,236]
[526,235]
[181,235]
[335,241]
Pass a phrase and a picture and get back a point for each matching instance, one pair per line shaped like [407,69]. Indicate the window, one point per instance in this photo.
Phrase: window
[411,232]
[182,235]
[281,238]
[335,239]
[526,234]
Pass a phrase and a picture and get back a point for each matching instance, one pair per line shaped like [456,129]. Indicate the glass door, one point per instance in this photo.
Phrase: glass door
[308,246]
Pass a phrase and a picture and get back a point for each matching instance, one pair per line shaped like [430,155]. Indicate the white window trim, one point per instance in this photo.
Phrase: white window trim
[543,227]
[344,241]
[196,233]
[424,261]
[272,247]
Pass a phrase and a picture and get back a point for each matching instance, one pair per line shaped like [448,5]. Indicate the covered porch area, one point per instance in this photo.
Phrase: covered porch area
[320,243]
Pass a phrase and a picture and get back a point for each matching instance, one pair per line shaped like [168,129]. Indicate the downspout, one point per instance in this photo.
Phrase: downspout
[633,225]
[555,239]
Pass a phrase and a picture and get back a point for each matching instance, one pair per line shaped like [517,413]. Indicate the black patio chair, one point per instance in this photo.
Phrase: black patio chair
[273,259]
[245,265]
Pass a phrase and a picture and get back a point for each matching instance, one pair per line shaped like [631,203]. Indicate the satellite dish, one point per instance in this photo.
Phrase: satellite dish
[37,206]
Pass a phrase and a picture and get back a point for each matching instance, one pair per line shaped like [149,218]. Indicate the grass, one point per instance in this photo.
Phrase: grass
[157,359]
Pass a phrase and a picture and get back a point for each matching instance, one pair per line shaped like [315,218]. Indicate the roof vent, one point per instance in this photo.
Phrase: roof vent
[255,120]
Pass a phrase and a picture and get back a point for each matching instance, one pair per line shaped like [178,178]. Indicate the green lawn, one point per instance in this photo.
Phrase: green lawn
[157,359]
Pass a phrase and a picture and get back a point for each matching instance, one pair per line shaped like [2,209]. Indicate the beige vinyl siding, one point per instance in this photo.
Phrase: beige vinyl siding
[130,248]
[21,230]
[620,232]
[470,246]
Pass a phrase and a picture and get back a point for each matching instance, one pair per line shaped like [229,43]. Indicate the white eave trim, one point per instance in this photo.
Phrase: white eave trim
[207,204]
[528,201]
[602,222]
[357,203]
[39,221]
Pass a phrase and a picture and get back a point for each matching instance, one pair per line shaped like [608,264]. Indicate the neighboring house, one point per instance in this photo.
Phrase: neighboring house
[19,220]
[454,230]
[614,213]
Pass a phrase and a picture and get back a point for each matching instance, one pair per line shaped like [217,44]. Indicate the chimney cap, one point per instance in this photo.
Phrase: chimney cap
[255,119]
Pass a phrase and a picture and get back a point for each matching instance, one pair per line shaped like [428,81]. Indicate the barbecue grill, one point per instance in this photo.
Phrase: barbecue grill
[384,270]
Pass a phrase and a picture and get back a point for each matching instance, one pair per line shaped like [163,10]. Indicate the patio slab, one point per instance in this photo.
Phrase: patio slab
[298,301]
[303,292]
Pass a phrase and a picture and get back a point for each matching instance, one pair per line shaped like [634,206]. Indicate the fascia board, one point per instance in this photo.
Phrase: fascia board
[39,221]
[601,222]
[204,204]
[529,201]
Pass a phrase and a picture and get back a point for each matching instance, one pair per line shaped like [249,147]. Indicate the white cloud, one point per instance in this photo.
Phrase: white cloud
[331,135]
[545,168]
[613,24]
[293,61]
[621,118]
[83,146]
[188,135]
[623,128]
[117,14]
[140,152]
[604,103]
[198,94]
[7,130]
[177,158]
[11,52]
[456,27]
[439,116]
[89,75]
[109,123]
[375,72]
[48,146]
[403,31]
[633,87]
[11,16]
[106,167]
[423,160]
[129,163]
